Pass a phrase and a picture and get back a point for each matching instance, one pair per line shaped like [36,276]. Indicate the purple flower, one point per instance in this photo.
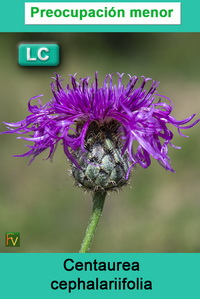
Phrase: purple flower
[141,121]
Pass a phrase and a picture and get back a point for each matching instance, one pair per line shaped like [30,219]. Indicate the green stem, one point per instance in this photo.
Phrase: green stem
[98,203]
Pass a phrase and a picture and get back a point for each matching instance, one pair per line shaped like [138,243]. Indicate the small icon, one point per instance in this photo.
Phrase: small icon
[38,54]
[12,239]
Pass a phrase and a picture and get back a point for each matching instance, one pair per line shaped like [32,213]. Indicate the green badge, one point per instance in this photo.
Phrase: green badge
[38,54]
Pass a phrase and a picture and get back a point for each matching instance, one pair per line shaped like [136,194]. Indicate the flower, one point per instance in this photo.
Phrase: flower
[125,119]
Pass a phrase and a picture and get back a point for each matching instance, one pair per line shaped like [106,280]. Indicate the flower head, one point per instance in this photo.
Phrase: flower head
[101,125]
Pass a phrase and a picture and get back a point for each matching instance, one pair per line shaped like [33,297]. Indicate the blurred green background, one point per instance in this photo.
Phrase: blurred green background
[161,212]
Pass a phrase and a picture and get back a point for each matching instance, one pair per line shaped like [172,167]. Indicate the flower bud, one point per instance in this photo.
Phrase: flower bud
[102,166]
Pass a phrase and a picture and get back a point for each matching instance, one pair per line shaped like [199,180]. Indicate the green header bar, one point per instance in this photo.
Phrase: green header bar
[13,19]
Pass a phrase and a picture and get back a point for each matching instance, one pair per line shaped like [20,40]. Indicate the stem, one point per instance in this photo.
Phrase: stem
[98,203]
